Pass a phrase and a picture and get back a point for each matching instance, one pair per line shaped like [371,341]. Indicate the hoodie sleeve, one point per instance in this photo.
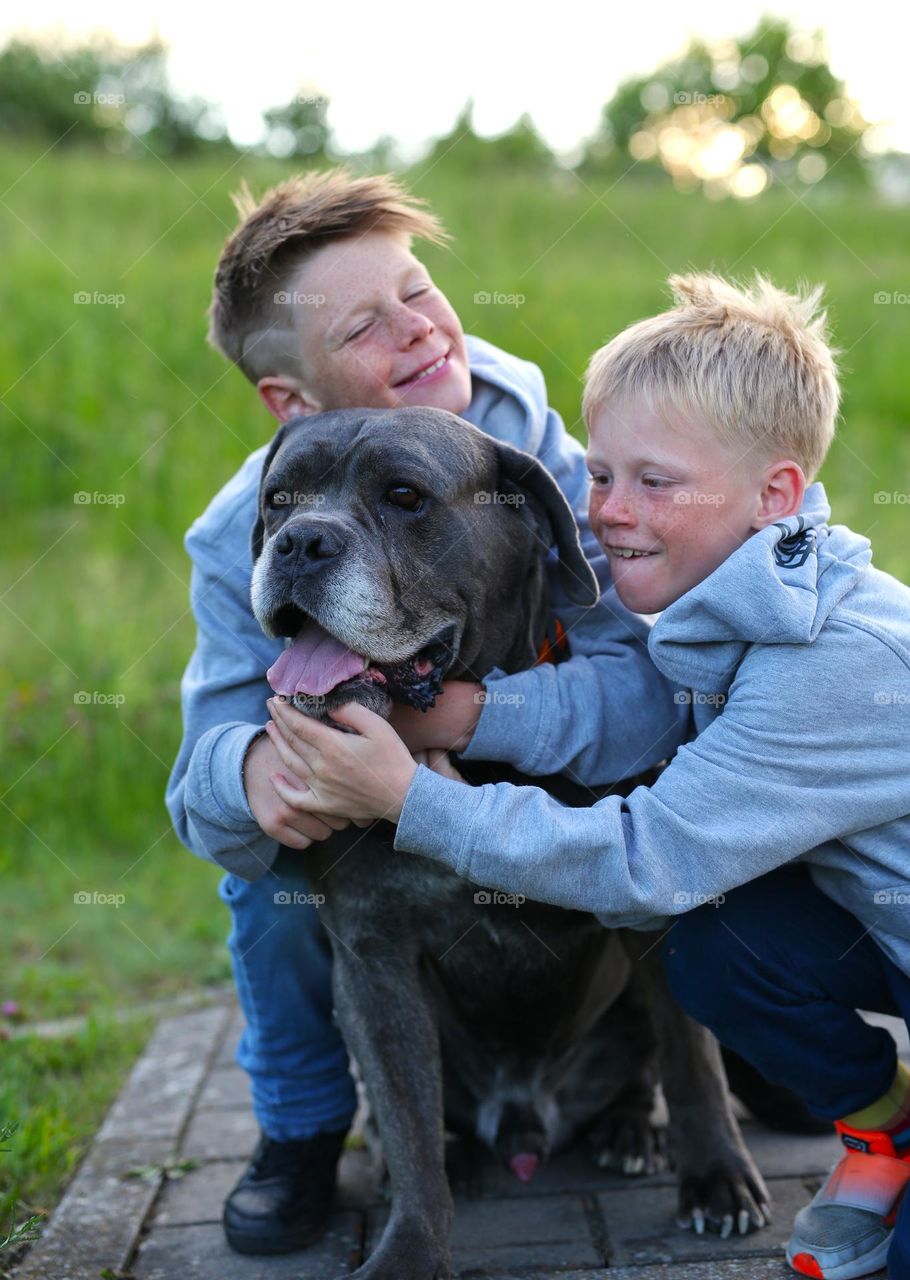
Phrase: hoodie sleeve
[801,755]
[223,696]
[606,714]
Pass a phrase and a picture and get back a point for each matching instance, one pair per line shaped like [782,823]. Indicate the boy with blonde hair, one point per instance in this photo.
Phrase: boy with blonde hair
[320,302]
[785,818]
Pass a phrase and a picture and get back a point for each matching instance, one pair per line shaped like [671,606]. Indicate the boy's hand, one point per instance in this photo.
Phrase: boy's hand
[449,725]
[276,818]
[438,760]
[365,774]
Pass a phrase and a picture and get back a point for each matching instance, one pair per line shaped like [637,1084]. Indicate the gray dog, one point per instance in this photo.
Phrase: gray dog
[397,548]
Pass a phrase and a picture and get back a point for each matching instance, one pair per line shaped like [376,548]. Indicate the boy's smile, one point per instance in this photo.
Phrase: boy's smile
[379,334]
[668,503]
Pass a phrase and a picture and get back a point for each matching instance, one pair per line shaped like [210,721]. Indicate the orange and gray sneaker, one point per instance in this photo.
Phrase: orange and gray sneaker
[846,1230]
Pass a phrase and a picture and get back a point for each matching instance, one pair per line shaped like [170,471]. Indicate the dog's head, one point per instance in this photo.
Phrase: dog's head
[400,546]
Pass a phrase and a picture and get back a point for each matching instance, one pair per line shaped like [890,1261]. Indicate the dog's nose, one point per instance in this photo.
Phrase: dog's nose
[312,542]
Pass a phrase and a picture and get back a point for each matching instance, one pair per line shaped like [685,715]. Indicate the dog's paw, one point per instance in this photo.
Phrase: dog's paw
[625,1139]
[726,1197]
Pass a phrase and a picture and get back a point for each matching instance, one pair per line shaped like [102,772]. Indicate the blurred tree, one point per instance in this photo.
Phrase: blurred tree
[105,93]
[520,148]
[299,128]
[731,116]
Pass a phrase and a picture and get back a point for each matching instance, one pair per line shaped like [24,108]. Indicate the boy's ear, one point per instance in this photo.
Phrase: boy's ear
[782,493]
[257,537]
[551,517]
[285,398]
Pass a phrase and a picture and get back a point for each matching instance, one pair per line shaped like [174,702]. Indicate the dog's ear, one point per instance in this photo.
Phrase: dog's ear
[554,524]
[257,537]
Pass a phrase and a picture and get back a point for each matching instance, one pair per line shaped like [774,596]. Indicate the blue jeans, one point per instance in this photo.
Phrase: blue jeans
[291,1048]
[777,971]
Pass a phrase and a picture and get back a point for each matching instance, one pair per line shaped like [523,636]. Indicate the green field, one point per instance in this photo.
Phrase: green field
[124,398]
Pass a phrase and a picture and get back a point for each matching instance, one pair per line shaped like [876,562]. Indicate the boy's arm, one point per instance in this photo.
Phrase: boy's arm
[597,718]
[801,756]
[223,695]
[608,713]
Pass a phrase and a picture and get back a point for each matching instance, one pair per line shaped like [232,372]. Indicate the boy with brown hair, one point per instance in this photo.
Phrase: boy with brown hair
[320,302]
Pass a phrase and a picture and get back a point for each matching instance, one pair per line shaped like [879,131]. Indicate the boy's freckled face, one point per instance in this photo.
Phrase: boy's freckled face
[670,490]
[384,336]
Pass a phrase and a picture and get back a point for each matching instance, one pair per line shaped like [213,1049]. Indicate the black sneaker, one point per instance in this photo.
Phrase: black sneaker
[284,1198]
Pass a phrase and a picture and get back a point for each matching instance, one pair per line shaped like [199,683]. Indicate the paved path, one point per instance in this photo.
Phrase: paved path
[187,1099]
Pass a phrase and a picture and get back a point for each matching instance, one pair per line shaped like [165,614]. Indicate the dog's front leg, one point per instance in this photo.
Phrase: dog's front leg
[719,1183]
[387,1023]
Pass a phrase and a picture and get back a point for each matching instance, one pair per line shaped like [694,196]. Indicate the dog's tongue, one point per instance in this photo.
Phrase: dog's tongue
[315,663]
[524,1165]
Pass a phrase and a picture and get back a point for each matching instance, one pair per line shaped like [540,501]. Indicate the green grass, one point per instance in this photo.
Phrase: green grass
[129,400]
[56,1092]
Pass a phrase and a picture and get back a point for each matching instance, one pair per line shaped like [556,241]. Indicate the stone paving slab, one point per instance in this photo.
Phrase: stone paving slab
[201,1253]
[227,1088]
[97,1223]
[496,1236]
[186,1097]
[641,1226]
[221,1135]
[199,1195]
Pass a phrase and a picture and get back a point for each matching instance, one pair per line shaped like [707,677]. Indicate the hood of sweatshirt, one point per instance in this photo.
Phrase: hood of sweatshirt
[779,587]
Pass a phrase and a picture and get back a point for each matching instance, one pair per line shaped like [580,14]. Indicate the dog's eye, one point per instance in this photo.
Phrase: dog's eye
[404,496]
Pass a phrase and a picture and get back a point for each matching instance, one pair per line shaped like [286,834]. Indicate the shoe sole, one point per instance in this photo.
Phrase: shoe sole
[267,1245]
[852,1270]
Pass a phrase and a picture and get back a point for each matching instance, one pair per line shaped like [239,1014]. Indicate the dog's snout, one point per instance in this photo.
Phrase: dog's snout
[311,541]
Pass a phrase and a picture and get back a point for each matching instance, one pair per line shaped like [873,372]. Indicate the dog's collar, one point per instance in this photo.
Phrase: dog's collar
[555,644]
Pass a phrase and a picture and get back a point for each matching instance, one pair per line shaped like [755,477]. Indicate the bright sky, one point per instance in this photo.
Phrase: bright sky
[406,70]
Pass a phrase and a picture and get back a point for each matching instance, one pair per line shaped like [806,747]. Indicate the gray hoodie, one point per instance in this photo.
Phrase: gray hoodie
[793,660]
[224,688]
